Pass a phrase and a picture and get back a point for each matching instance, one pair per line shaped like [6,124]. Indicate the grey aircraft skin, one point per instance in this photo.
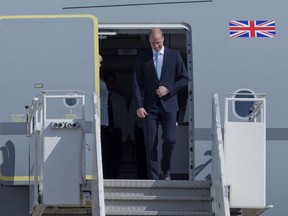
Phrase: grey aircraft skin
[216,63]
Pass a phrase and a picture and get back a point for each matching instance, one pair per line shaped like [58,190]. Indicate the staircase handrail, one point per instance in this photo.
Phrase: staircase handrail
[219,189]
[97,182]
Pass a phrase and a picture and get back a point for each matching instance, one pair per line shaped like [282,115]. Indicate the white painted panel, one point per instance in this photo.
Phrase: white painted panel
[245,155]
[62,165]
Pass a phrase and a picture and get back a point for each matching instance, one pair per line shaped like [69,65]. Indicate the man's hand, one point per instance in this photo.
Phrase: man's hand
[141,113]
[162,91]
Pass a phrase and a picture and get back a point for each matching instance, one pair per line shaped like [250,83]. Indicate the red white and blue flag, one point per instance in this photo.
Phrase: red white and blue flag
[252,28]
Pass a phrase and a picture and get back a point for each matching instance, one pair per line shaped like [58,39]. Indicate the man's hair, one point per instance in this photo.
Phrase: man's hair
[155,31]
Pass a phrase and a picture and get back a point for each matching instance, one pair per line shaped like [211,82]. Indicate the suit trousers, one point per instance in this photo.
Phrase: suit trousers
[140,151]
[168,122]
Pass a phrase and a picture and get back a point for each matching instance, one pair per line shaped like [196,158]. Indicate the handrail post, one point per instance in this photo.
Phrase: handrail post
[98,204]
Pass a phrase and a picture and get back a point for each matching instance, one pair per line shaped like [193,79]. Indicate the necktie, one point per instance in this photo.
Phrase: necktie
[158,65]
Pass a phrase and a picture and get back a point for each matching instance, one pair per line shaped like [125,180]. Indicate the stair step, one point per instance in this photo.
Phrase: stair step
[157,197]
[152,187]
[141,205]
[156,183]
[161,198]
[163,213]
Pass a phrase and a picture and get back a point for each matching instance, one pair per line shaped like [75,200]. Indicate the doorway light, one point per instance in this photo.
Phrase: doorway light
[107,33]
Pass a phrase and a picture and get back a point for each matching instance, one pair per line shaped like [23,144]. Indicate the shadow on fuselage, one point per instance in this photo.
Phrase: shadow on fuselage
[7,167]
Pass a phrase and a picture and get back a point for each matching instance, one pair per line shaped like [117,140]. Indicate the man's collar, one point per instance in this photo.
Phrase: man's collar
[161,51]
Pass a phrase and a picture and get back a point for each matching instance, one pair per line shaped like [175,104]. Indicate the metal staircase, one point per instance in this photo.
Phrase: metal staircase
[150,197]
[96,196]
[123,197]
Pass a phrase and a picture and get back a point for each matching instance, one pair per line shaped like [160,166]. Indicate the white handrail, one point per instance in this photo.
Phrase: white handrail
[98,204]
[219,187]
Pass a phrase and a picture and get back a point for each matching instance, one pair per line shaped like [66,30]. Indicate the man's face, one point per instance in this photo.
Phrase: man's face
[156,41]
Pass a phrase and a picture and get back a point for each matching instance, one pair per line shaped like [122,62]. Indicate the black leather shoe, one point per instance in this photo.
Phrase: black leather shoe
[166,176]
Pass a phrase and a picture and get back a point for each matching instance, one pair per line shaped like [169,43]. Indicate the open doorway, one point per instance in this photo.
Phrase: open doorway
[119,46]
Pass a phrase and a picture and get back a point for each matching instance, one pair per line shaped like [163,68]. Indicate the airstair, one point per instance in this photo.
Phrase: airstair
[97,197]
[147,197]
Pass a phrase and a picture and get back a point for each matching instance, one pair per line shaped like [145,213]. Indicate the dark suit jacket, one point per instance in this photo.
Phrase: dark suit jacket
[174,77]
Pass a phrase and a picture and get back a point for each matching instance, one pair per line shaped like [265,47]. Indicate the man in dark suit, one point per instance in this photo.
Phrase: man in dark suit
[159,73]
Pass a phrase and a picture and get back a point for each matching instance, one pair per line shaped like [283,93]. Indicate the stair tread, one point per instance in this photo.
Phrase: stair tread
[156,183]
[149,197]
[164,213]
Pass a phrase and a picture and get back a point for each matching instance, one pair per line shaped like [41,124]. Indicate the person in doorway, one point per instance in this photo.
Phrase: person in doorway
[118,117]
[160,73]
[107,164]
[103,99]
[117,112]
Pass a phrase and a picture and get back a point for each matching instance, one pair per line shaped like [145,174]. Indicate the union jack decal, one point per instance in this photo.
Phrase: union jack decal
[252,28]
